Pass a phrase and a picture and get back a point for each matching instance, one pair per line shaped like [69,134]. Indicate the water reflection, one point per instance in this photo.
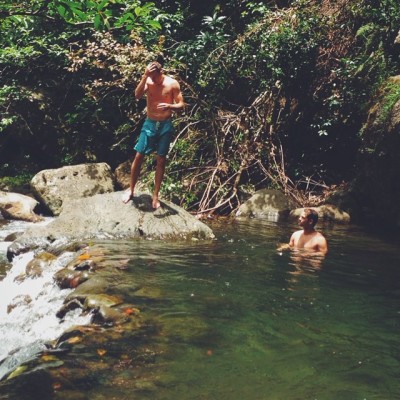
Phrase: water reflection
[306,261]
[234,319]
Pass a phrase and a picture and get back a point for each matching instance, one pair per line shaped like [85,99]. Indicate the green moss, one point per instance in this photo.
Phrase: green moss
[390,98]
[15,181]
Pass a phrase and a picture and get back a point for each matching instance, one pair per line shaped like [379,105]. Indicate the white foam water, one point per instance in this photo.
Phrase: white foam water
[28,310]
[15,226]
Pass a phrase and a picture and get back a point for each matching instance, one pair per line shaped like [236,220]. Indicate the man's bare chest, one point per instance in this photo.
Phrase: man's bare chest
[307,241]
[159,91]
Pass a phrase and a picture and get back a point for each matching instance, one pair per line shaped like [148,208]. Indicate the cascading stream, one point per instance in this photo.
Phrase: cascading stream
[28,310]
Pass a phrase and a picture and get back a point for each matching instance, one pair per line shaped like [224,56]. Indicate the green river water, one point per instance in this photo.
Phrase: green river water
[239,321]
[233,319]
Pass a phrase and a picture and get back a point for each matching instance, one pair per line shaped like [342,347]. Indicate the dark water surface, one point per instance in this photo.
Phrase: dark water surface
[233,319]
[237,320]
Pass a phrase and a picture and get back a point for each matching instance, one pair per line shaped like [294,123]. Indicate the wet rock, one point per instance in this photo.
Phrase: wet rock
[77,331]
[99,306]
[105,216]
[69,306]
[21,300]
[109,317]
[88,265]
[36,266]
[71,247]
[12,236]
[17,248]
[18,206]
[79,265]
[46,256]
[94,285]
[70,279]
[101,300]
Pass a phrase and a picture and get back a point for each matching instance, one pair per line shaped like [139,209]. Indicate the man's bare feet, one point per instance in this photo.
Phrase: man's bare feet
[127,197]
[156,203]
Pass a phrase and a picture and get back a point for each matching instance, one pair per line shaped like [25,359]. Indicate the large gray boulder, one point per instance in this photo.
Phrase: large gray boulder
[326,212]
[18,206]
[105,216]
[265,203]
[52,187]
[272,204]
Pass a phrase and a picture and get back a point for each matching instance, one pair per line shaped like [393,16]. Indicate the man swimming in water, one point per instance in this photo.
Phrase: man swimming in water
[307,238]
[163,97]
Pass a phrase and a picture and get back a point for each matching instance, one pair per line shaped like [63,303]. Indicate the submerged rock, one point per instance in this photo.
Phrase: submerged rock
[105,216]
[22,299]
[69,279]
[108,316]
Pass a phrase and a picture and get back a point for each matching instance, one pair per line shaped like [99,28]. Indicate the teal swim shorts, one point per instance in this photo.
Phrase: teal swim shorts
[155,136]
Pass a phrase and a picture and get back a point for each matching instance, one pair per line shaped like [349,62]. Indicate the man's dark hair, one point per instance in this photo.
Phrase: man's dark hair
[158,66]
[160,59]
[311,214]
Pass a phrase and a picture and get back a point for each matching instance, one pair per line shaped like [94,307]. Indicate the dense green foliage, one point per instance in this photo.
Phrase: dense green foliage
[277,92]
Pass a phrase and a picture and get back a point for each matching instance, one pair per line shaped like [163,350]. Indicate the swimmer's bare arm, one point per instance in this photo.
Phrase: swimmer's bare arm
[322,245]
[142,85]
[287,246]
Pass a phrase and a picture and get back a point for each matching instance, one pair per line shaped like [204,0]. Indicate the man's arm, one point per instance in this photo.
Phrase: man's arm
[179,103]
[322,245]
[177,99]
[287,246]
[141,87]
[291,241]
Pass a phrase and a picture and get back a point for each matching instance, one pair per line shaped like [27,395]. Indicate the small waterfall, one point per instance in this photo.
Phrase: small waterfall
[28,310]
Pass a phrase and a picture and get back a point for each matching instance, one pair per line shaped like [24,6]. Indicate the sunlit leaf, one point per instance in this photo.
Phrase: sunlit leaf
[154,24]
[102,5]
[97,24]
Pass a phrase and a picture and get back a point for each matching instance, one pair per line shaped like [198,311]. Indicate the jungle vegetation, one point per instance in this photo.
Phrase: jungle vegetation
[277,92]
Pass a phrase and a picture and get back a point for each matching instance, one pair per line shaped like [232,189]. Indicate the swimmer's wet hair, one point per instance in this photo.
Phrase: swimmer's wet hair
[311,214]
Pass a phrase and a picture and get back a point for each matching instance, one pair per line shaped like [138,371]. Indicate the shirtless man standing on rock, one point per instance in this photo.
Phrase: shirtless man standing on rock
[307,238]
[163,97]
